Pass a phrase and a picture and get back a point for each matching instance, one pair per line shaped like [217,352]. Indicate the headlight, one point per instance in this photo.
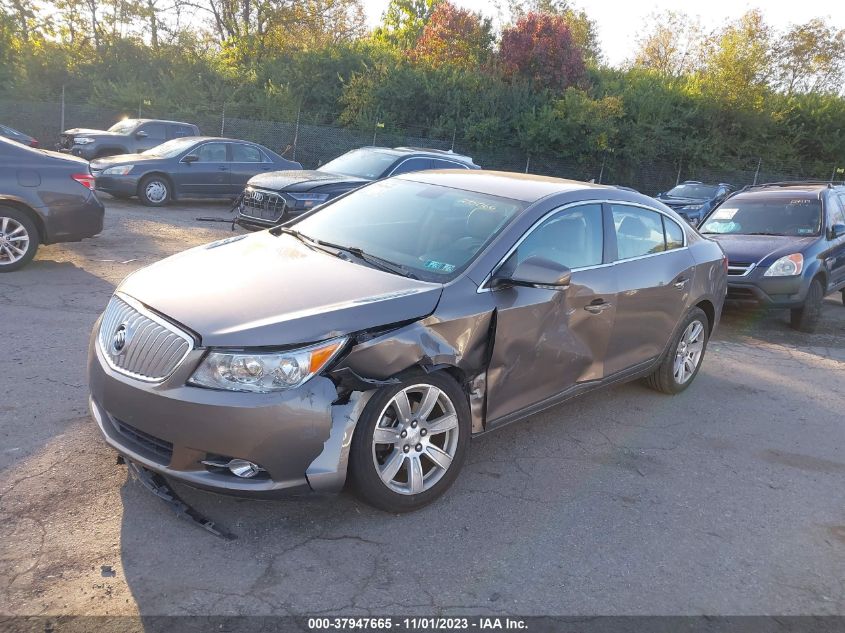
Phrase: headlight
[82,140]
[786,266]
[122,170]
[308,200]
[264,372]
[692,207]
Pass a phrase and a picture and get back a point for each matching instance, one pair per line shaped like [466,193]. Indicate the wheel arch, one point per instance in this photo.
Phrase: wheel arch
[31,214]
[161,174]
[709,310]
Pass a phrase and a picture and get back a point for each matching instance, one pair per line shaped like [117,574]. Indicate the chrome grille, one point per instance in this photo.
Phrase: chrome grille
[740,269]
[140,344]
[262,205]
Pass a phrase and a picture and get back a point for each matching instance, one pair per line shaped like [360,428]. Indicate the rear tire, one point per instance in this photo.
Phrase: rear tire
[154,191]
[416,457]
[806,318]
[18,239]
[681,363]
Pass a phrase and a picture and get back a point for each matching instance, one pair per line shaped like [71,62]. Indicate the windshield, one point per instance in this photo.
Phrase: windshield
[360,163]
[692,191]
[769,216]
[170,148]
[431,230]
[124,127]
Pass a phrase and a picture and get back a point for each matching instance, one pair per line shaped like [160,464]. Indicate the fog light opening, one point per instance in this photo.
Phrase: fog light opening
[238,467]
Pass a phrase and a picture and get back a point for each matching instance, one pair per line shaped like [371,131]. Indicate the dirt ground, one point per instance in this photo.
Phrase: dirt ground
[727,499]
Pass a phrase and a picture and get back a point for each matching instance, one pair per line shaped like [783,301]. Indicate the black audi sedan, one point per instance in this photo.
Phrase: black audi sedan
[273,198]
[785,244]
[45,198]
[190,167]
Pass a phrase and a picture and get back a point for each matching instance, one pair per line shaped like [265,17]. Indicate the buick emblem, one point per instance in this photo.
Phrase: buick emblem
[119,339]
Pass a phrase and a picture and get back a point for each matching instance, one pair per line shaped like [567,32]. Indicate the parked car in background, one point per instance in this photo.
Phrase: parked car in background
[785,244]
[273,198]
[192,167]
[372,337]
[20,137]
[45,197]
[124,137]
[693,199]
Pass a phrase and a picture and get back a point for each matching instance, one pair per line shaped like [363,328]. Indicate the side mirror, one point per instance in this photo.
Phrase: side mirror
[190,158]
[141,134]
[837,230]
[537,272]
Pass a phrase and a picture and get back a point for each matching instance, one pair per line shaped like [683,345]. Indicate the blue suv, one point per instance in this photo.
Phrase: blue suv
[785,244]
[692,199]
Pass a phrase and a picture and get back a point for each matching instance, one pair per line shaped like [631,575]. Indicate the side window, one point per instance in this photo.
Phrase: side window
[155,131]
[246,154]
[181,131]
[412,164]
[837,210]
[436,163]
[638,231]
[674,234]
[573,237]
[211,153]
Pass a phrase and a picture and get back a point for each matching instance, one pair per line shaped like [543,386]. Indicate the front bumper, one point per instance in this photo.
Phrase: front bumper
[119,185]
[297,436]
[774,292]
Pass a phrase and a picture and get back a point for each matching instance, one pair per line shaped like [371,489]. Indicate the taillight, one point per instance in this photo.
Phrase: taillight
[86,180]
[33,142]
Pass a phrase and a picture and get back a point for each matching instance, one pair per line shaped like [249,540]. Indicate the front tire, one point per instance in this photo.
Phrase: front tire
[681,363]
[410,443]
[154,191]
[806,318]
[18,239]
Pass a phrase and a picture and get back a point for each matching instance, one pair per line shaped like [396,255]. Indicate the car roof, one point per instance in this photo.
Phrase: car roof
[160,121]
[408,151]
[778,191]
[503,184]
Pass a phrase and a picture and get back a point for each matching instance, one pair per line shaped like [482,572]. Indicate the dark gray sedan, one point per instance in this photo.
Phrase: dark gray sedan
[191,167]
[372,338]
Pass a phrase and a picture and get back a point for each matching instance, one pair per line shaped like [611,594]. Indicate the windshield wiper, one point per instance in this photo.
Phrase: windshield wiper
[375,260]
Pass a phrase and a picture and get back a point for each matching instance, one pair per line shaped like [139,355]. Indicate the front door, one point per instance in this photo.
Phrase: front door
[654,271]
[547,341]
[209,174]
[836,247]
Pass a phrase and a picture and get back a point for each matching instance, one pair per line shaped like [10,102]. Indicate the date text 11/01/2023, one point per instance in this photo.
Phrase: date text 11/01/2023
[417,624]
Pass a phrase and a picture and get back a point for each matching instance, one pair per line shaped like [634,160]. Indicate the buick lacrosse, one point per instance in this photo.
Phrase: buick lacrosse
[372,338]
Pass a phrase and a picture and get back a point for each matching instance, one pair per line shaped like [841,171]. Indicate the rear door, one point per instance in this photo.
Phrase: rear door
[836,247]
[247,161]
[547,341]
[209,174]
[654,270]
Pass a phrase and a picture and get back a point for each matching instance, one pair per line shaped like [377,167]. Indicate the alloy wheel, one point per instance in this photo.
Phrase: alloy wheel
[415,439]
[688,354]
[14,241]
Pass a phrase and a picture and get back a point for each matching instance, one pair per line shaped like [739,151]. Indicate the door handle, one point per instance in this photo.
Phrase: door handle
[597,306]
[222,168]
[680,284]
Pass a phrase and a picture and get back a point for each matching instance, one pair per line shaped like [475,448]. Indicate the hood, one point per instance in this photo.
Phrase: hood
[120,159]
[299,180]
[266,290]
[673,202]
[756,248]
[85,130]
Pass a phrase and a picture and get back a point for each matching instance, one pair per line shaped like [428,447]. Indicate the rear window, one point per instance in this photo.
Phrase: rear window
[791,215]
[360,163]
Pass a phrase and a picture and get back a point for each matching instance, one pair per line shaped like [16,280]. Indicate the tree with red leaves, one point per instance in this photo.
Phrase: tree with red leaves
[456,37]
[541,48]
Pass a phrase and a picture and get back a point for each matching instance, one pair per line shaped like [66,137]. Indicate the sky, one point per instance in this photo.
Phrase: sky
[619,23]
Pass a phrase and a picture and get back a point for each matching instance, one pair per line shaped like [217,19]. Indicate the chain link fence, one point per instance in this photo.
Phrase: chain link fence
[314,144]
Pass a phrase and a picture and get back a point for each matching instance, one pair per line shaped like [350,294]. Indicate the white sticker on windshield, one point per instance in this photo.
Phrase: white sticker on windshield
[725,214]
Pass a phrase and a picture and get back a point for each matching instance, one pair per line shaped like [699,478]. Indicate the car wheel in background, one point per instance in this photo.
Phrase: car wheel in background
[18,239]
[806,318]
[154,191]
[410,443]
[680,365]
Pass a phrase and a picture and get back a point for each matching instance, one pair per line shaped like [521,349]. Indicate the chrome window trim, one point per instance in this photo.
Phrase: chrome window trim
[483,287]
[405,160]
[137,305]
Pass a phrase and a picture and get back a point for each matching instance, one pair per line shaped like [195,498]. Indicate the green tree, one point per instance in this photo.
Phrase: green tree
[404,21]
[811,58]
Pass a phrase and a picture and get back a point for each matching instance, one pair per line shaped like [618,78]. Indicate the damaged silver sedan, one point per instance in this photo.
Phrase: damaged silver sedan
[371,339]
